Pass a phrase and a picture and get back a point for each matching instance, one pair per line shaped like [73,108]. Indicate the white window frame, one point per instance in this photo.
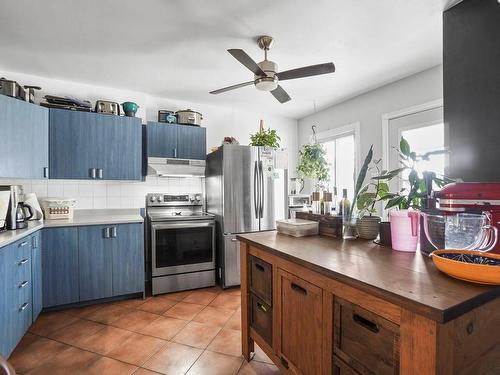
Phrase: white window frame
[353,128]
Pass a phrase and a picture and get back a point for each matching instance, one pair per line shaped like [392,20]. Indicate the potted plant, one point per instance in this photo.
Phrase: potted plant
[408,200]
[263,137]
[374,191]
[313,164]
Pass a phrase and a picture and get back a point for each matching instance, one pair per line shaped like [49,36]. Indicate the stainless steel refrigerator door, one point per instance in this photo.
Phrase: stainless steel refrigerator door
[241,190]
[273,184]
[231,261]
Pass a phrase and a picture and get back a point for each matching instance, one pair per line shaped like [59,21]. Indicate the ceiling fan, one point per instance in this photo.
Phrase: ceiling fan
[266,75]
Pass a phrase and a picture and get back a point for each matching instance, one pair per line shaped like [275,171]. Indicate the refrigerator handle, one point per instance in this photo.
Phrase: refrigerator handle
[255,192]
[261,198]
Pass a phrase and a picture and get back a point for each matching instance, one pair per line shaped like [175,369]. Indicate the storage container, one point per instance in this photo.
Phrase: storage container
[297,227]
[58,208]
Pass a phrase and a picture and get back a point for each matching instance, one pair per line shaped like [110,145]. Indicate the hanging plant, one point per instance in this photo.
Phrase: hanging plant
[313,163]
[265,137]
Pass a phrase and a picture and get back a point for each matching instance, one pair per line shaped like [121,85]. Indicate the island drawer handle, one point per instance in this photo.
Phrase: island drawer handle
[298,288]
[259,267]
[284,362]
[261,306]
[365,323]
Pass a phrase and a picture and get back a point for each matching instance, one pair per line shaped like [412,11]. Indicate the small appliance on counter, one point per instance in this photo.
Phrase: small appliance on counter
[189,117]
[167,116]
[463,197]
[180,238]
[66,102]
[107,107]
[18,212]
[58,208]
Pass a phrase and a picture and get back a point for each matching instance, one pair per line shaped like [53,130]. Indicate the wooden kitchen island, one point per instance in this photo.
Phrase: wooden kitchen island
[318,305]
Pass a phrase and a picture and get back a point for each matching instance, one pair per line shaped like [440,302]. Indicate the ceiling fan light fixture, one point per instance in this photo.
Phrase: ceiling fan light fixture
[266,83]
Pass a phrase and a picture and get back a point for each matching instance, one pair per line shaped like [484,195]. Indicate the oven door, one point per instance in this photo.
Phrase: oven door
[182,247]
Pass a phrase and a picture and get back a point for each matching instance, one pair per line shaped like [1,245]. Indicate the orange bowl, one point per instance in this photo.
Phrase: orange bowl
[473,272]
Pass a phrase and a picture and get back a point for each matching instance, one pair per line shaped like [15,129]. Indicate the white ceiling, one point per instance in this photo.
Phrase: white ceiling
[177,49]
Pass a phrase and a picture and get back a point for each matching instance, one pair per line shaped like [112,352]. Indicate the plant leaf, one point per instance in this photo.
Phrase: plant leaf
[404,147]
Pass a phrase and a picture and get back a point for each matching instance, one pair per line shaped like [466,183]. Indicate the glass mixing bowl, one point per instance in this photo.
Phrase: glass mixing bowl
[460,231]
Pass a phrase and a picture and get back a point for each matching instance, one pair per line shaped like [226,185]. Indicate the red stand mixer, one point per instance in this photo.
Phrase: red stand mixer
[470,197]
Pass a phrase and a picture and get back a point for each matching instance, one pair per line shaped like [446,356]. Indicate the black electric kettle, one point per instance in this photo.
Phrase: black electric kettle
[24,212]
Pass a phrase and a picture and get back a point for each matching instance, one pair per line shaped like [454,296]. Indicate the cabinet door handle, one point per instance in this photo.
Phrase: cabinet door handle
[92,173]
[24,306]
[284,362]
[23,244]
[365,323]
[175,152]
[261,306]
[21,262]
[113,232]
[99,173]
[45,172]
[298,288]
[23,284]
[259,267]
[34,242]
[106,232]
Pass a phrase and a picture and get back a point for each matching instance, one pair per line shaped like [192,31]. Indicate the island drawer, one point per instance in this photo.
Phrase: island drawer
[365,341]
[342,368]
[261,318]
[261,279]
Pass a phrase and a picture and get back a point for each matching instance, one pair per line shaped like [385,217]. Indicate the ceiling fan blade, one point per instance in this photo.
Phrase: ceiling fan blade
[229,88]
[307,71]
[246,60]
[281,95]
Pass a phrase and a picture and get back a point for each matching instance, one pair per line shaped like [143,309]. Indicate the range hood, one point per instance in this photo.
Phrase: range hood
[166,167]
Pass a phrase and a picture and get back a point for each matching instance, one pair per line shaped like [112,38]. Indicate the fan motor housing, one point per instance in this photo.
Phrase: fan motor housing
[269,82]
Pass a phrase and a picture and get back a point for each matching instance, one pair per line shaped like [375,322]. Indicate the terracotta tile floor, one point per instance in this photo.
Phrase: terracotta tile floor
[195,332]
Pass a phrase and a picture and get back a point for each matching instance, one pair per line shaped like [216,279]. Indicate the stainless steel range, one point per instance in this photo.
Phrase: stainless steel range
[181,239]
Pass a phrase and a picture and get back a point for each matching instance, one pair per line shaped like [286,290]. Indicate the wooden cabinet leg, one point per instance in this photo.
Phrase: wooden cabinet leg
[247,344]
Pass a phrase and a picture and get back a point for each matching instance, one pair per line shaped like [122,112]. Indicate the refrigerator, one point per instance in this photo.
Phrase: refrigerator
[246,189]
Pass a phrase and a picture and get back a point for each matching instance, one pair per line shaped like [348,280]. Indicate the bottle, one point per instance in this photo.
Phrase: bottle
[334,201]
[345,206]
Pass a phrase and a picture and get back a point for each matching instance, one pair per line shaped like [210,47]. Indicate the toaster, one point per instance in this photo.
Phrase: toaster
[110,108]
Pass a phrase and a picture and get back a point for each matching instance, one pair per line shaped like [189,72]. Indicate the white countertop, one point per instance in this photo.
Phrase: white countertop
[81,217]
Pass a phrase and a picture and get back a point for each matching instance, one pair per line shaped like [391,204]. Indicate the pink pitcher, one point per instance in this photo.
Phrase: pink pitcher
[404,229]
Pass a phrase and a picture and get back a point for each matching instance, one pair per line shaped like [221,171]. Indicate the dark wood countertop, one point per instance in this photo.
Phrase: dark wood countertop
[407,279]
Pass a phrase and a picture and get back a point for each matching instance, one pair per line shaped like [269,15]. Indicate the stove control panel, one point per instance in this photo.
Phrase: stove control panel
[160,199]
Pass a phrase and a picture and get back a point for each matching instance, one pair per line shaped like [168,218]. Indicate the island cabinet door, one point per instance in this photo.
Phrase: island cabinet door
[59,266]
[300,325]
[95,262]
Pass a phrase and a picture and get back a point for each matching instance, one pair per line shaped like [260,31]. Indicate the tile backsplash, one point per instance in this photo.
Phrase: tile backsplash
[109,194]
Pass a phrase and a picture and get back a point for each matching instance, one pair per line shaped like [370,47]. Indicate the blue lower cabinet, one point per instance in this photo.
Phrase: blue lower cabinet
[36,273]
[22,287]
[8,301]
[60,266]
[95,262]
[128,259]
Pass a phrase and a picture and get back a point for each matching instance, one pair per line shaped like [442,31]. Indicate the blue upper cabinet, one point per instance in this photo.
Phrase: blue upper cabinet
[192,142]
[24,140]
[176,141]
[60,266]
[85,145]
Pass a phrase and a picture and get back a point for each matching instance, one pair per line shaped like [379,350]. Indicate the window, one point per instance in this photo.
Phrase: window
[341,156]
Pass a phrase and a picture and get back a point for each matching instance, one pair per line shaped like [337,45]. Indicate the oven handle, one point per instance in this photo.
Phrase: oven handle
[182,225]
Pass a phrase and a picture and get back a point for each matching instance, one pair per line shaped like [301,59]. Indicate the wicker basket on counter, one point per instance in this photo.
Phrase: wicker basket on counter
[58,208]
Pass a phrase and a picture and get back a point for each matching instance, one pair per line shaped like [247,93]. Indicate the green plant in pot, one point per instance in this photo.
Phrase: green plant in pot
[313,164]
[406,202]
[263,137]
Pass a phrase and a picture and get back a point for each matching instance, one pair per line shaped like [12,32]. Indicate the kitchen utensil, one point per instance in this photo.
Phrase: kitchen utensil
[4,206]
[58,208]
[30,90]
[130,108]
[66,102]
[107,107]
[297,227]
[404,230]
[24,212]
[468,265]
[167,116]
[189,117]
[460,231]
[31,200]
